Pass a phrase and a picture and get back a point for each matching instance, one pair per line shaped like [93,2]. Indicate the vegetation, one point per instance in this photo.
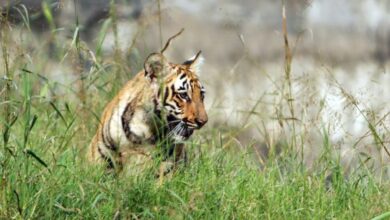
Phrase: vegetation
[46,127]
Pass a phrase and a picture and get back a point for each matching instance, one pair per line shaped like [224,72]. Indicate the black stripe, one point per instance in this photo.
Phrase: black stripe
[126,118]
[177,112]
[111,142]
[108,142]
[172,106]
[165,95]
[173,89]
[177,103]
[110,164]
[182,76]
[184,83]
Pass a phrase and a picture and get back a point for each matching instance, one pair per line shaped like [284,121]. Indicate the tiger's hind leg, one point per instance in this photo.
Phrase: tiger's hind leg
[99,154]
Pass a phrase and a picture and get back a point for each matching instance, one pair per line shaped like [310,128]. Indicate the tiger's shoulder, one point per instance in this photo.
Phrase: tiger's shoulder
[134,96]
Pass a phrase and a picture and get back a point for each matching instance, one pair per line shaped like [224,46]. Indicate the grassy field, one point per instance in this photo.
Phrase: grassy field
[47,125]
[44,176]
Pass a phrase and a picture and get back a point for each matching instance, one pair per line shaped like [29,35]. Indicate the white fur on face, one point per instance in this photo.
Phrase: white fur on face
[182,85]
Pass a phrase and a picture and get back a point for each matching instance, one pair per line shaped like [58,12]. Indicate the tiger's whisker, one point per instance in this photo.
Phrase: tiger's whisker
[174,130]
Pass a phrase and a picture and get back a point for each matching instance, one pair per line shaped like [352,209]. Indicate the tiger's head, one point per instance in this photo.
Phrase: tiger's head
[178,93]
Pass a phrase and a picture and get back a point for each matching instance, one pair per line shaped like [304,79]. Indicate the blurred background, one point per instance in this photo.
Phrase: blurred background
[338,89]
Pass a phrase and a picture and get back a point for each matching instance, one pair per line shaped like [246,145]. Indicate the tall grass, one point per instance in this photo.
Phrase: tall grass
[45,135]
[6,111]
[288,58]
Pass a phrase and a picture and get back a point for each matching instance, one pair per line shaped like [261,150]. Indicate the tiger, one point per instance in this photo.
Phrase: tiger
[162,105]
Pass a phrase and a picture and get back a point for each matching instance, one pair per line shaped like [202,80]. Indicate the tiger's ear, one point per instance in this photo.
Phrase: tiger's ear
[195,62]
[156,65]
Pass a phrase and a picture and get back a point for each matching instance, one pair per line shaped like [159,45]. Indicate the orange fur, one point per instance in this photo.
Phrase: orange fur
[125,127]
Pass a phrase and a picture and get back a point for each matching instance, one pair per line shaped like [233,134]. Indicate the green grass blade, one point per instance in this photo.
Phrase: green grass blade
[48,15]
[58,113]
[38,159]
[383,216]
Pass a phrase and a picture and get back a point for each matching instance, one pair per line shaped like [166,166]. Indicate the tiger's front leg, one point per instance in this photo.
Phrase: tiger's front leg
[180,154]
[177,157]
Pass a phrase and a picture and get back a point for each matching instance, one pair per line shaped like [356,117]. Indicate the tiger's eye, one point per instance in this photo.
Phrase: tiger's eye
[184,96]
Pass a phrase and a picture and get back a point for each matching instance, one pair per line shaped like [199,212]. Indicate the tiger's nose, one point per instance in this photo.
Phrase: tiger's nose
[200,122]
